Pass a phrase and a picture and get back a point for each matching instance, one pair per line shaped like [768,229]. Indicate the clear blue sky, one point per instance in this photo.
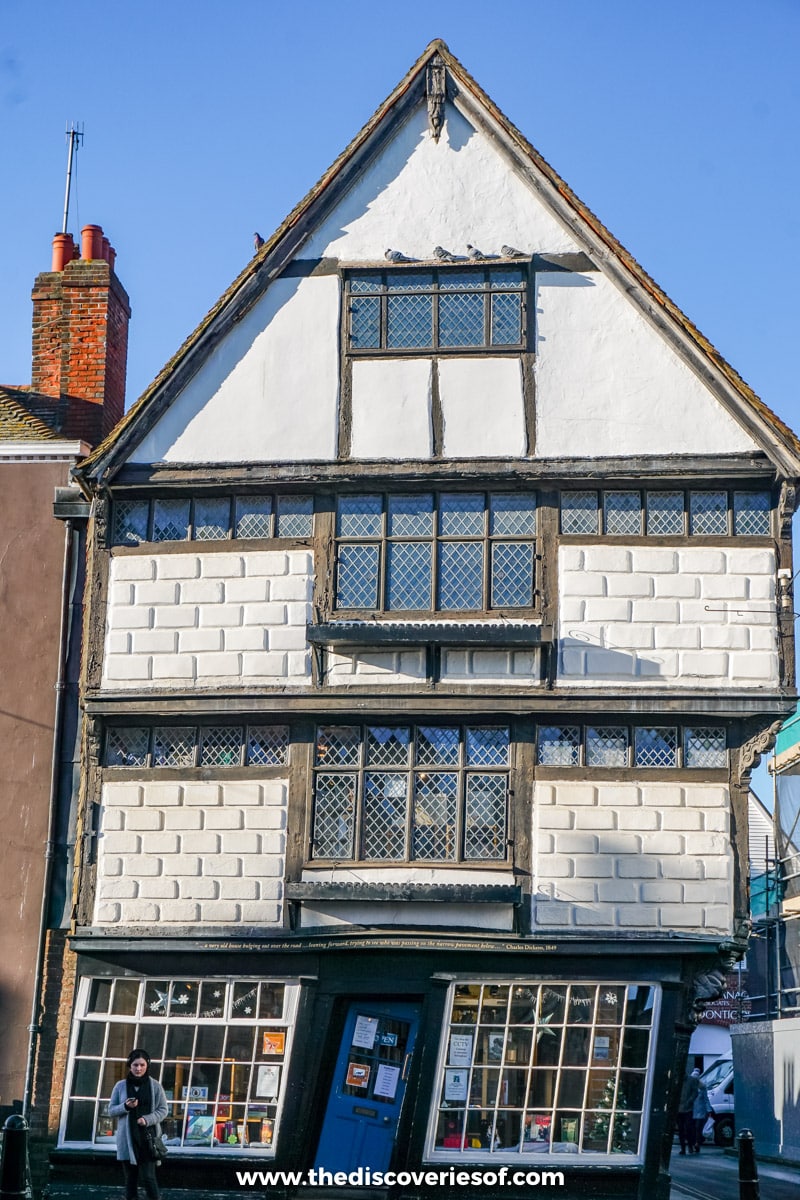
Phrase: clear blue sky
[677,123]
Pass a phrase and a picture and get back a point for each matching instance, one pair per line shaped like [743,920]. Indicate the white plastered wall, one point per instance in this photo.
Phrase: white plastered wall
[633,856]
[203,852]
[200,620]
[491,668]
[696,616]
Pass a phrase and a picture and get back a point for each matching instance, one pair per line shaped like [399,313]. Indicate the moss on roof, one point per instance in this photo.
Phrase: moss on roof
[17,423]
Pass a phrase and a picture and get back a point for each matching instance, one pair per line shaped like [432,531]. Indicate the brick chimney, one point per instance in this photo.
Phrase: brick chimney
[80,337]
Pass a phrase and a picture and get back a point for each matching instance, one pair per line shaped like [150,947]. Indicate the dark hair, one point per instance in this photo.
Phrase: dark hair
[134,1054]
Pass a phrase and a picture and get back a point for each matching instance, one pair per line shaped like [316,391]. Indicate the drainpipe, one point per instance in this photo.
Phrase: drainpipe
[34,1029]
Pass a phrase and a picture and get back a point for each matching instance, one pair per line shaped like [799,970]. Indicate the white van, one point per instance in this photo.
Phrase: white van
[718,1080]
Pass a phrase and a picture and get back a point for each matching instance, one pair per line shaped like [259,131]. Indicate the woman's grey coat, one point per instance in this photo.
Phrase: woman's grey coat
[116,1108]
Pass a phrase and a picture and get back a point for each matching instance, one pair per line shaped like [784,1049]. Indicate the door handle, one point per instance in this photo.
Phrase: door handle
[405,1066]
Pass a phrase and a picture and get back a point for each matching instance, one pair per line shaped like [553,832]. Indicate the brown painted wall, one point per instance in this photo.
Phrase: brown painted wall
[31,561]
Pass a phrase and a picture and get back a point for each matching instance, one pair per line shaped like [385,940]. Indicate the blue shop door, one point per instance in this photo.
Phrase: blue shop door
[369,1084]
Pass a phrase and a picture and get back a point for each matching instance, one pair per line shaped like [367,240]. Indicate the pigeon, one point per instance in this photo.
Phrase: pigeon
[510,252]
[446,256]
[258,242]
[474,252]
[396,256]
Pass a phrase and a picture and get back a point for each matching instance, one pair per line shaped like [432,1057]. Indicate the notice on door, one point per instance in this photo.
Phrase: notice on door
[386,1082]
[365,1032]
[357,1075]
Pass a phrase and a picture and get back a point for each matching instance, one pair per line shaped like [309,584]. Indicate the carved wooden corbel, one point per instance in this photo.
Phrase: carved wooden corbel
[750,752]
[786,508]
[435,87]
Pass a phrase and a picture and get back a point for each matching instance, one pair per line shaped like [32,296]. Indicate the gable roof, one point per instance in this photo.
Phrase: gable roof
[18,423]
[778,441]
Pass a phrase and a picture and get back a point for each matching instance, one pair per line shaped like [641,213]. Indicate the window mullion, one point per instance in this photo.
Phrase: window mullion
[487,553]
[358,815]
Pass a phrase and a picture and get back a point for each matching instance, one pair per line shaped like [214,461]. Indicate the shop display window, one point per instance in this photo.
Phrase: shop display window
[219,1047]
[544,1068]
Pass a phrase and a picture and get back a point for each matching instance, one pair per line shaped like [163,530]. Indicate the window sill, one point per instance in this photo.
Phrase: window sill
[439,632]
[493,893]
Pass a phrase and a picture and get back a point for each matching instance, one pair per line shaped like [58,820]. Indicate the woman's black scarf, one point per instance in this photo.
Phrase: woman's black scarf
[139,1089]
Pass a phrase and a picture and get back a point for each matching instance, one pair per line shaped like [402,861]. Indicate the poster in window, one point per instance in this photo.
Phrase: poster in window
[495,1047]
[602,1047]
[365,1032]
[197,1097]
[460,1049]
[386,1081]
[274,1042]
[267,1081]
[455,1085]
[357,1075]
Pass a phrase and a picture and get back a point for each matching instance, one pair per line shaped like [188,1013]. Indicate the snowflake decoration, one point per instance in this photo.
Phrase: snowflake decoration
[216,994]
[184,999]
[247,1011]
[610,997]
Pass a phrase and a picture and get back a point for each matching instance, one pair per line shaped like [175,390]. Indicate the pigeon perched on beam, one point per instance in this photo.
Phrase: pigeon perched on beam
[511,252]
[474,252]
[396,256]
[446,256]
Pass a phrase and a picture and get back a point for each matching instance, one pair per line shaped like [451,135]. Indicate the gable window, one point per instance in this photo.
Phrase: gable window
[666,513]
[447,309]
[445,552]
[428,793]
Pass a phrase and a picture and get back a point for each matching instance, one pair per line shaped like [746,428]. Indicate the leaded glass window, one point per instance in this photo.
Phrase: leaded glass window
[453,309]
[219,1047]
[397,793]
[538,1068]
[751,514]
[212,518]
[190,746]
[698,748]
[666,513]
[447,552]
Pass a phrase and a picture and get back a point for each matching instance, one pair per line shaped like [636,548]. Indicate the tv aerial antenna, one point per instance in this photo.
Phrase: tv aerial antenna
[74,133]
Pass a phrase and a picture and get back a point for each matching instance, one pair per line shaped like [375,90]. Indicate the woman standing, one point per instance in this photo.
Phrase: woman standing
[139,1102]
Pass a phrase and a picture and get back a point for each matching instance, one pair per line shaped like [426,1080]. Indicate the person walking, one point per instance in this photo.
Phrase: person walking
[700,1111]
[140,1103]
[685,1106]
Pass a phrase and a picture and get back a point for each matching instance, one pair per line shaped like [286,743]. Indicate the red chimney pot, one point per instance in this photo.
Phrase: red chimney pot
[91,242]
[63,250]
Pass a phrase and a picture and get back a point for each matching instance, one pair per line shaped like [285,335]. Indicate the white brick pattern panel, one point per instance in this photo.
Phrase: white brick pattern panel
[202,621]
[633,856]
[490,667]
[205,852]
[693,616]
[365,668]
[518,668]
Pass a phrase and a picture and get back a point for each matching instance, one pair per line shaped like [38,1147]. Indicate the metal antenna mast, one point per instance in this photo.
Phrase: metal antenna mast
[74,137]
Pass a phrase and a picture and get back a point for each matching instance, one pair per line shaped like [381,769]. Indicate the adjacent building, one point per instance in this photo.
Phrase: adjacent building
[438,606]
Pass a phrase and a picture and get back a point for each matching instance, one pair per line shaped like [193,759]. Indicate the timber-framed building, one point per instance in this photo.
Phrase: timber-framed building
[439,604]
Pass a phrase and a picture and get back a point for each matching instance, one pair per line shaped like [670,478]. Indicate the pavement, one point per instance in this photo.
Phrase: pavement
[714,1175]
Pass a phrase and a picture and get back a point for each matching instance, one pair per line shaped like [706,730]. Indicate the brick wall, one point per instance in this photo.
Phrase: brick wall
[648,856]
[206,851]
[682,617]
[205,620]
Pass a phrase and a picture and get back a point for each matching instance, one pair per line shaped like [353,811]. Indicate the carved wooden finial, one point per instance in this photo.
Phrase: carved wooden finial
[436,92]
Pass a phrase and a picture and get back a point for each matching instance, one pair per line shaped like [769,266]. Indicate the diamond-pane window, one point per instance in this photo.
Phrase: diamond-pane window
[170,520]
[461,514]
[708,512]
[622,512]
[366,283]
[559,746]
[437,746]
[295,516]
[388,747]
[267,745]
[513,514]
[212,517]
[385,808]
[338,746]
[174,746]
[365,322]
[131,519]
[579,512]
[460,576]
[461,281]
[409,576]
[411,281]
[664,513]
[461,319]
[434,817]
[487,747]
[607,746]
[357,571]
[221,746]
[705,748]
[452,795]
[506,319]
[409,323]
[657,747]
[127,747]
[512,575]
[411,516]
[751,514]
[253,517]
[485,817]
[360,516]
[334,815]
